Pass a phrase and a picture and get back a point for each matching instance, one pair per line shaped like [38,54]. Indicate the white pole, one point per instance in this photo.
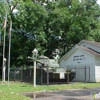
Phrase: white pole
[4,73]
[35,73]
[3,76]
[34,57]
[9,50]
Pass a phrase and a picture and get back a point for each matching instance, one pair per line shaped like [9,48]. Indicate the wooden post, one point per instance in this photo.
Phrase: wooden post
[85,75]
[21,75]
[89,73]
[75,74]
[47,75]
[67,76]
[41,74]
[15,75]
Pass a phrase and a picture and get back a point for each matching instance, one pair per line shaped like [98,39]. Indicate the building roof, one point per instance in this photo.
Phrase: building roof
[69,52]
[89,42]
[90,51]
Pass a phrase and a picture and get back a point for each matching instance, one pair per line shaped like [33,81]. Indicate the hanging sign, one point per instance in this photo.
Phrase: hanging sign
[62,75]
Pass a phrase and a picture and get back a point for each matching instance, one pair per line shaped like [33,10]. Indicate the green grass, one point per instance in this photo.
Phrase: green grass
[12,92]
[93,95]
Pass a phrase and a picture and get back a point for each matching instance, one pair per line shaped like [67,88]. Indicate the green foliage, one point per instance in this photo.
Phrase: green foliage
[2,14]
[55,25]
[93,95]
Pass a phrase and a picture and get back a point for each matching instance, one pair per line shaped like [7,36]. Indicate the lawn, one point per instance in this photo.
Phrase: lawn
[12,92]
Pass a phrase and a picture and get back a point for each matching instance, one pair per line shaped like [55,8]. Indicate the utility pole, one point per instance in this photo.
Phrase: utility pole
[9,49]
[3,69]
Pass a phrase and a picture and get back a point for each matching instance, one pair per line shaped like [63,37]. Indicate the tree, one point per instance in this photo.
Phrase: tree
[50,26]
[60,23]
[29,32]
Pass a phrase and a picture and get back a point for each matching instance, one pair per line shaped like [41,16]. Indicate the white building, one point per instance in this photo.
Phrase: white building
[85,58]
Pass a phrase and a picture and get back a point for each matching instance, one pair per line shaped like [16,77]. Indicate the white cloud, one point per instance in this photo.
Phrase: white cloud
[98,1]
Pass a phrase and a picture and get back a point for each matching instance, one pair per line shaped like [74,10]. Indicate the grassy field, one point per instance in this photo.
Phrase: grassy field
[12,92]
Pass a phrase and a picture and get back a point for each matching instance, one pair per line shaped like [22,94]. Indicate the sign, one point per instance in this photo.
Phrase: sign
[78,58]
[62,75]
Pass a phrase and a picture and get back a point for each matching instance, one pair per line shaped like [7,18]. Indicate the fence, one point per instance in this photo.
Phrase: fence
[42,76]
[81,74]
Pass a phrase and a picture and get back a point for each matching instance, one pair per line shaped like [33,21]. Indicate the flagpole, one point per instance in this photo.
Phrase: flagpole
[9,37]
[3,66]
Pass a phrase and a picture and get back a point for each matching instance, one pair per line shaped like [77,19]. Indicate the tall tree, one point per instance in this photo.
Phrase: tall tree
[52,25]
[29,32]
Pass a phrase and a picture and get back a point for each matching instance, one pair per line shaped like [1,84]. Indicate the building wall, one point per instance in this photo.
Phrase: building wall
[97,61]
[97,69]
[78,57]
[97,73]
[78,60]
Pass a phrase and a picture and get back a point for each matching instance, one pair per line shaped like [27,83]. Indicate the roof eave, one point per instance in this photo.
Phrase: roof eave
[68,53]
[86,41]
